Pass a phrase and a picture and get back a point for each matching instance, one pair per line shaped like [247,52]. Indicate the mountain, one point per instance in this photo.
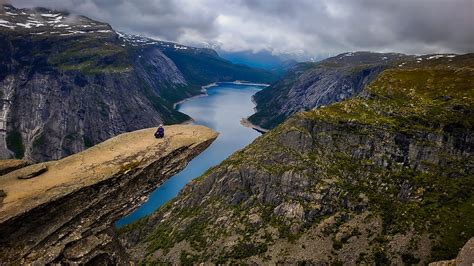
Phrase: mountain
[262,59]
[68,82]
[207,66]
[63,212]
[386,177]
[310,85]
[202,66]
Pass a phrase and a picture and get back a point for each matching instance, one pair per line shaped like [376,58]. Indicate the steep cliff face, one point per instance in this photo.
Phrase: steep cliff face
[202,66]
[63,211]
[372,179]
[68,82]
[310,85]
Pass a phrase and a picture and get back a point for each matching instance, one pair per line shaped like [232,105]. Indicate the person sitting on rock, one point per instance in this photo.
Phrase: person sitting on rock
[160,132]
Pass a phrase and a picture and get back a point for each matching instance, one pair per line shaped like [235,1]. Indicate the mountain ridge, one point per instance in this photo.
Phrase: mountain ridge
[374,179]
[310,85]
[69,82]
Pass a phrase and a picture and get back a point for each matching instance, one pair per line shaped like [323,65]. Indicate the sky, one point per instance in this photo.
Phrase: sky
[304,28]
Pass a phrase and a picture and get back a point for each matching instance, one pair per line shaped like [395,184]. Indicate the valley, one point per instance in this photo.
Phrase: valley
[367,180]
[288,139]
[224,105]
[81,82]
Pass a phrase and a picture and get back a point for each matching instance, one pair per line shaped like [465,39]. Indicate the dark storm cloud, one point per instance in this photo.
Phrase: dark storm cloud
[290,26]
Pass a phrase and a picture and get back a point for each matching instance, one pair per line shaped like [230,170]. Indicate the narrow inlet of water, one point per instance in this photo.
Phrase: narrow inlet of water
[222,110]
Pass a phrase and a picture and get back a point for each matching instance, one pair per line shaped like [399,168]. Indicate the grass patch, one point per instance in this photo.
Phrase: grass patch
[91,56]
[241,251]
[160,238]
[409,100]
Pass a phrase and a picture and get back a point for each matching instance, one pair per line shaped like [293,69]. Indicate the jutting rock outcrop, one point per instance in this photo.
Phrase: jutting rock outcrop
[68,82]
[63,211]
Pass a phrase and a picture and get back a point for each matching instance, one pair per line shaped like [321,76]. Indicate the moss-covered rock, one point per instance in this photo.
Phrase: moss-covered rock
[386,177]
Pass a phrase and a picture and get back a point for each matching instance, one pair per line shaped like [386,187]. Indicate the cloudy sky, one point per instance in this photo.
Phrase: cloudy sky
[305,27]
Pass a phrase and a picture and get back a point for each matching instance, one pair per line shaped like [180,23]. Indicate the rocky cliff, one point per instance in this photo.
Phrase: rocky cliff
[200,66]
[383,178]
[310,85]
[465,256]
[63,211]
[68,82]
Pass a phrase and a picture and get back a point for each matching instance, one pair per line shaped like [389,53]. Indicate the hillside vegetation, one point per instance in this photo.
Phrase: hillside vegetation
[385,177]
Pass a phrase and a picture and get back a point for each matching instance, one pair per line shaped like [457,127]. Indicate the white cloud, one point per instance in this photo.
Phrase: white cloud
[310,27]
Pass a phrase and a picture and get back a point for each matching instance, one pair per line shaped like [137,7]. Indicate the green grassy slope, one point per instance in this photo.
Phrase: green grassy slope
[386,177]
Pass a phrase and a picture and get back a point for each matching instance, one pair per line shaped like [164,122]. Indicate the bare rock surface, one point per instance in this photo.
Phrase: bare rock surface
[385,178]
[7,166]
[30,171]
[68,82]
[66,213]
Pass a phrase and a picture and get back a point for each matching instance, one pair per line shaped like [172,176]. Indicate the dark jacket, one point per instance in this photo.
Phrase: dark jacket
[160,132]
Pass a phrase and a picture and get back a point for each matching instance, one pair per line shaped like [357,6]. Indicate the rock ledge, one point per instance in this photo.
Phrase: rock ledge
[66,214]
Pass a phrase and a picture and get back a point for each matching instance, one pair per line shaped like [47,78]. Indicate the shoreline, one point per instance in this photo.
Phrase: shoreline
[214,84]
[242,82]
[203,93]
[189,98]
[255,103]
[246,123]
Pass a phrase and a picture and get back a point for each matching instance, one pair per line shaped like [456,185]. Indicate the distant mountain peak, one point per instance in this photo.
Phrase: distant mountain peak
[43,21]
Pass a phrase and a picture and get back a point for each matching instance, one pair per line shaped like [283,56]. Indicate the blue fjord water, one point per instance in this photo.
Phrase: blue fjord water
[222,110]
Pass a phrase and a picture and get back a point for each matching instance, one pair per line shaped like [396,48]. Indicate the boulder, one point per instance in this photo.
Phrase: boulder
[30,171]
[7,166]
